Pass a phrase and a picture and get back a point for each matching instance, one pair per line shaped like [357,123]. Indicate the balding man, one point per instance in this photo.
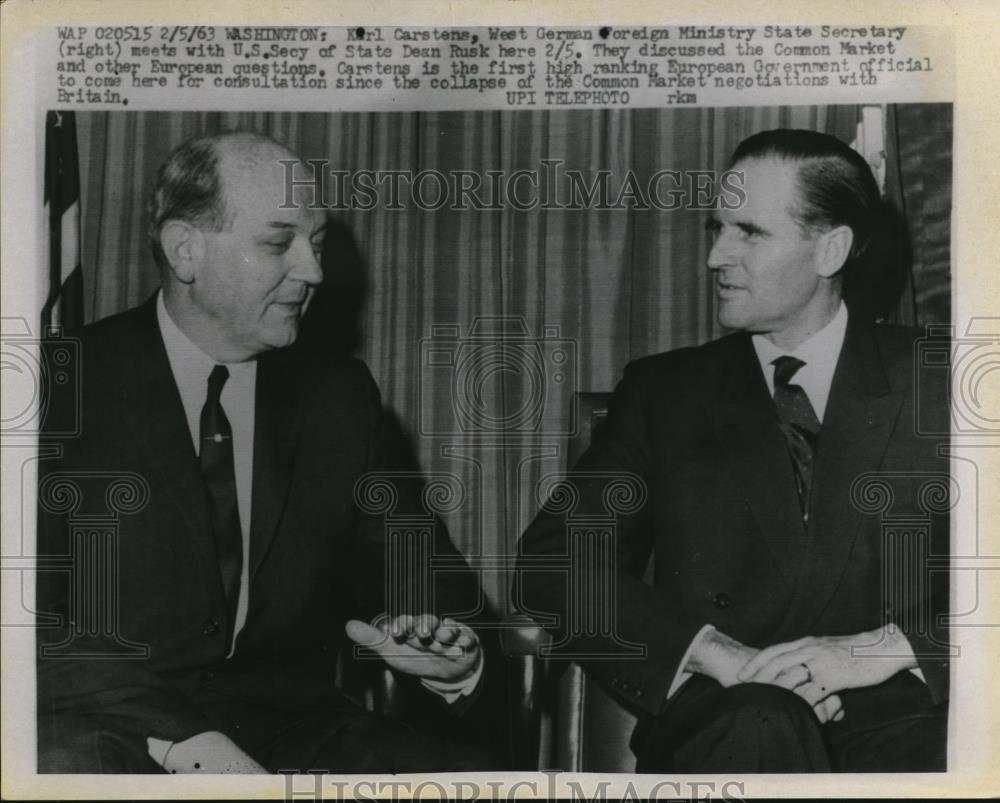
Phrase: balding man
[237,577]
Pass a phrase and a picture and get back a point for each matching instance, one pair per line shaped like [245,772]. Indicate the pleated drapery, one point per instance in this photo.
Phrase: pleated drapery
[576,292]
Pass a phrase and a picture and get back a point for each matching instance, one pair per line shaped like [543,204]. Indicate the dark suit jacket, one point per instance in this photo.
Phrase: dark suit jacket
[722,517]
[315,560]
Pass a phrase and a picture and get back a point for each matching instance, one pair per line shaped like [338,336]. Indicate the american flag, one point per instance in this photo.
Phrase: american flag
[64,300]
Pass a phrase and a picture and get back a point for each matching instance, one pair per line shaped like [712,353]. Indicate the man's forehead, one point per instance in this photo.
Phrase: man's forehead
[256,188]
[769,185]
[309,221]
[768,173]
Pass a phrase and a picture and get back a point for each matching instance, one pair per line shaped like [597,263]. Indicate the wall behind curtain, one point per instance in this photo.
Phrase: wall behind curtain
[610,285]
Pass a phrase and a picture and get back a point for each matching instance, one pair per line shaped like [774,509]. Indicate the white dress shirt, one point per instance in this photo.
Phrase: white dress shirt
[820,354]
[191,367]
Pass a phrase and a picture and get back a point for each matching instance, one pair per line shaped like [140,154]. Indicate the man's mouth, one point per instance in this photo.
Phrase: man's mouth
[724,289]
[290,306]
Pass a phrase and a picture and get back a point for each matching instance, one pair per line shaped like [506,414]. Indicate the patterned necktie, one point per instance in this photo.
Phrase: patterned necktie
[216,457]
[799,425]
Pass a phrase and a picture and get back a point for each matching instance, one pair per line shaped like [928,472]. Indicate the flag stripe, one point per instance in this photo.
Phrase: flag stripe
[64,299]
[71,314]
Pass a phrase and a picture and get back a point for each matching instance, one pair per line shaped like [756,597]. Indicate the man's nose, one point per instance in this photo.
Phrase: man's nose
[306,267]
[721,254]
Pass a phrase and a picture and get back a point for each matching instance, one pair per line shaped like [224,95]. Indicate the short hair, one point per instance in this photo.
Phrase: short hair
[836,185]
[189,185]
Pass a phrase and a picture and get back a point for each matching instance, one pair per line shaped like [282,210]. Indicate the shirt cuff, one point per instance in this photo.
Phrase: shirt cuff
[158,749]
[916,671]
[184,756]
[451,691]
[681,676]
[210,751]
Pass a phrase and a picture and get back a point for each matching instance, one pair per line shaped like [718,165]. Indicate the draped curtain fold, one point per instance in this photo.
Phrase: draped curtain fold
[605,285]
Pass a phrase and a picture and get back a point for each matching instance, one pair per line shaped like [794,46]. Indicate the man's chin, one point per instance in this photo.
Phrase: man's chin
[731,318]
[279,337]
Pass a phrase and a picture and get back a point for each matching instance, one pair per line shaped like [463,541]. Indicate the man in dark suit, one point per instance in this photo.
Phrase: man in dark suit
[788,628]
[228,460]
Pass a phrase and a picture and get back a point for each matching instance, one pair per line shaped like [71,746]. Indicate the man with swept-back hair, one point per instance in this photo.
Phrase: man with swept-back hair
[787,630]
[244,557]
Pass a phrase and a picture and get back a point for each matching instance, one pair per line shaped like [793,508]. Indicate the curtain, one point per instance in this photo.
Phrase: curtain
[919,192]
[529,306]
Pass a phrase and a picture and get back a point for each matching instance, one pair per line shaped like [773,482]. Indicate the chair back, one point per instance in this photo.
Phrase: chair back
[591,731]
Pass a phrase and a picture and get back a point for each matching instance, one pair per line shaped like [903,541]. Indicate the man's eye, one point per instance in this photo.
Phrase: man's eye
[317,247]
[713,227]
[278,246]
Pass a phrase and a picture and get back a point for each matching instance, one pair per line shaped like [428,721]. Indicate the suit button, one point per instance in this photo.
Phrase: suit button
[638,692]
[722,601]
[616,681]
[210,628]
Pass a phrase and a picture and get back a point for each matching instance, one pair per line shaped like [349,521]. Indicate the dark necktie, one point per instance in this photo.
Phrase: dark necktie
[216,456]
[798,423]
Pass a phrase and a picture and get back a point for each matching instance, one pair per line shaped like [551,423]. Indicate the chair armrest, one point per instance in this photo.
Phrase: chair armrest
[520,636]
[385,693]
[520,639]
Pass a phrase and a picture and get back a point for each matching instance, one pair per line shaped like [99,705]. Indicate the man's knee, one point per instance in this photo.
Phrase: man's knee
[67,757]
[756,727]
[87,745]
[749,727]
[764,705]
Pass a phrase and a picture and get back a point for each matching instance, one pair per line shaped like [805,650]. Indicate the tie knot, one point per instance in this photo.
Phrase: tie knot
[216,381]
[784,369]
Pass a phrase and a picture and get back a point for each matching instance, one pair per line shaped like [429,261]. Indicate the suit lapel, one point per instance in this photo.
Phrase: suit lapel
[746,426]
[277,427]
[155,414]
[860,417]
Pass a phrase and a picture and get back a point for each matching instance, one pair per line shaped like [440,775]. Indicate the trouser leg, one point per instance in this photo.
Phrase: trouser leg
[749,728]
[895,727]
[342,740]
[892,727]
[368,744]
[90,744]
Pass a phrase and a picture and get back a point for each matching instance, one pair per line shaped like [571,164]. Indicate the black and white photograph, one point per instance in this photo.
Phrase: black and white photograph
[579,437]
[714,560]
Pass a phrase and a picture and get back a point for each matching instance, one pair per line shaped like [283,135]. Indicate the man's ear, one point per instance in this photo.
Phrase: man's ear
[184,248]
[833,249]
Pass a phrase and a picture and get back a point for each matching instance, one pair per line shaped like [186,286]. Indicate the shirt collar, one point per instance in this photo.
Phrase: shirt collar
[191,366]
[819,353]
[186,359]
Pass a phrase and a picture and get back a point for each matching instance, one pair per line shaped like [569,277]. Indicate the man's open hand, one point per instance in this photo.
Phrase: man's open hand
[425,646]
[816,667]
